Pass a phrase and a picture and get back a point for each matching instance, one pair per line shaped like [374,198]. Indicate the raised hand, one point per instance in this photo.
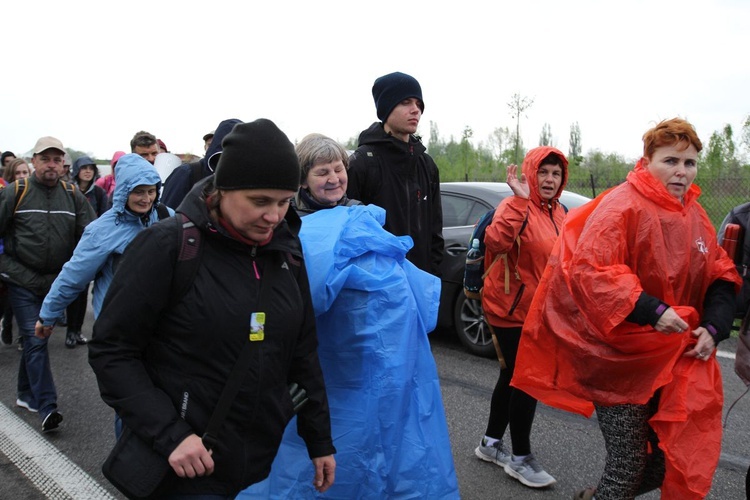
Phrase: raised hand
[519,188]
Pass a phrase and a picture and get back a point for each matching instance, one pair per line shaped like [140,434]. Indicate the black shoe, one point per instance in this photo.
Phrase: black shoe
[80,339]
[70,340]
[6,337]
[51,421]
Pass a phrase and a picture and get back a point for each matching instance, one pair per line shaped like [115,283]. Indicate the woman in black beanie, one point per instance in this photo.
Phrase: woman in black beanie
[162,361]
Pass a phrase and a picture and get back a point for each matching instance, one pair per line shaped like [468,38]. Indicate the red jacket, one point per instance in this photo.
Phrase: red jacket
[526,261]
[577,347]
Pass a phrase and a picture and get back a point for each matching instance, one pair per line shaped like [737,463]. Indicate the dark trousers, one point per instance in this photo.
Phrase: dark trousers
[35,383]
[510,406]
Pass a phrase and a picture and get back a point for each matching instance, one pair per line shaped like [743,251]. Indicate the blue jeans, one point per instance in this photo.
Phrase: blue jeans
[35,384]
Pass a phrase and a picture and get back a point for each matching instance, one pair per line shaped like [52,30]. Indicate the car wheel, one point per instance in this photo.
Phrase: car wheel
[472,330]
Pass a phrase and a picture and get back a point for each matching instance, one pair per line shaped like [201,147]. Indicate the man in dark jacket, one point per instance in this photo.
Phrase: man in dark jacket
[40,226]
[391,169]
[182,179]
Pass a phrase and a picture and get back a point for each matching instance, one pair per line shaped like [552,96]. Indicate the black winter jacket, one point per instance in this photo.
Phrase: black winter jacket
[740,215]
[162,367]
[404,180]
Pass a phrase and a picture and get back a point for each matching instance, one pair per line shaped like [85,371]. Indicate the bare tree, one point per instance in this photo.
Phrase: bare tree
[465,146]
[518,104]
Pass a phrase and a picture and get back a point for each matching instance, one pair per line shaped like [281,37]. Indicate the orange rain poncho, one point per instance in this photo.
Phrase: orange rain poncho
[577,348]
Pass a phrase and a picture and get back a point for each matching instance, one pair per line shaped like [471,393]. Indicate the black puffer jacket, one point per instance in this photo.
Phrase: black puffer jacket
[162,367]
[404,180]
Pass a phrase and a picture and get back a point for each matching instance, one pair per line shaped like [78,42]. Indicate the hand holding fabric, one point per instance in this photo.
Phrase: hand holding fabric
[671,322]
[191,458]
[703,347]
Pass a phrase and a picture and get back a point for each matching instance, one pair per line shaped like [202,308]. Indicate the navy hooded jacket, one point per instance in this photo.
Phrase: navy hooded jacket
[179,182]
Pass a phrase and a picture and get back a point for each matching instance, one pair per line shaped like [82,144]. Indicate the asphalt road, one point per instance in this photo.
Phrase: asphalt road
[67,464]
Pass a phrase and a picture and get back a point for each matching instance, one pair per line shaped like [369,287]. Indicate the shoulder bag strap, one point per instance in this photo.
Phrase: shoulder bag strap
[232,387]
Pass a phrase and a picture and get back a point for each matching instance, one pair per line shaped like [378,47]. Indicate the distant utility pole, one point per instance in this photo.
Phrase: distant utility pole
[518,105]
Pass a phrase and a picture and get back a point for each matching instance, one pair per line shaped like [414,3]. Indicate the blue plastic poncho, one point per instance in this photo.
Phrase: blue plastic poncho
[373,309]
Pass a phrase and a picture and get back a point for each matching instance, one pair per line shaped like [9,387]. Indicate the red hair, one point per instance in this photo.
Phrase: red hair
[669,133]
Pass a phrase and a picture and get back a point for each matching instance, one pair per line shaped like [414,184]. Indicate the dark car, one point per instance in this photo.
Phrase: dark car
[463,204]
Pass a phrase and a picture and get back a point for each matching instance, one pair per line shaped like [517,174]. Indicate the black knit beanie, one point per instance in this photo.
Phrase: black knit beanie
[391,89]
[257,155]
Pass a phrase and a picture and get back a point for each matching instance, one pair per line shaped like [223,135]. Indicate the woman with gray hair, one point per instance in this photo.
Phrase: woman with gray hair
[324,164]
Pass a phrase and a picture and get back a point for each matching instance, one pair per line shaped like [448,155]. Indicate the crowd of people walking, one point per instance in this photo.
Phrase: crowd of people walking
[268,283]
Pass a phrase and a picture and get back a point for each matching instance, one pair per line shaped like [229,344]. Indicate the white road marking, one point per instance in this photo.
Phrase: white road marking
[725,354]
[45,466]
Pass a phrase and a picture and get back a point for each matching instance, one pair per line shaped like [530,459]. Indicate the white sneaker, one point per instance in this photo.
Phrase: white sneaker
[23,404]
[495,453]
[529,472]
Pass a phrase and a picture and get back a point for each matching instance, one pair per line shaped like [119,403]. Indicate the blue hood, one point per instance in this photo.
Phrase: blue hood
[133,171]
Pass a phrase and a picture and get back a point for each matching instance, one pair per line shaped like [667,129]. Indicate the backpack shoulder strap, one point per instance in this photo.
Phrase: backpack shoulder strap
[189,243]
[162,211]
[23,187]
[69,187]
[504,257]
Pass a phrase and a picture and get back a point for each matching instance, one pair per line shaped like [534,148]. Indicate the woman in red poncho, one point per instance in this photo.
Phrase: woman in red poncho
[636,295]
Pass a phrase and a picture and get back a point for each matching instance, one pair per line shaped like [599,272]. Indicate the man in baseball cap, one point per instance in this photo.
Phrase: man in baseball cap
[32,262]
[207,140]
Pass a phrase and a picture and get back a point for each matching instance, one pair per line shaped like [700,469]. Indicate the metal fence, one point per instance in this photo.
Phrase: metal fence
[718,195]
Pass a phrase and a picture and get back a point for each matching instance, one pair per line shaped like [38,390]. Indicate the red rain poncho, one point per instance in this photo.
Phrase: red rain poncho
[577,348]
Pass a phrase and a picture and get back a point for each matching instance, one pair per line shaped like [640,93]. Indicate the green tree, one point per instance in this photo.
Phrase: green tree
[545,137]
[574,144]
[745,139]
[500,141]
[596,172]
[518,105]
[720,157]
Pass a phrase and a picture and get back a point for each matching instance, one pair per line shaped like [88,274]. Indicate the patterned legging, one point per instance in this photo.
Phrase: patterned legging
[630,468]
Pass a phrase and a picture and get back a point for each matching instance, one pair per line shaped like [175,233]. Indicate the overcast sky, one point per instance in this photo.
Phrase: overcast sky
[94,73]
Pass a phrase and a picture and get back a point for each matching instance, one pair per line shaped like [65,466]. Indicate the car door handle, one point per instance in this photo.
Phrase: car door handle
[456,249]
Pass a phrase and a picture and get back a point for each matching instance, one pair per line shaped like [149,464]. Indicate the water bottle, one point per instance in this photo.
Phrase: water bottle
[474,268]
